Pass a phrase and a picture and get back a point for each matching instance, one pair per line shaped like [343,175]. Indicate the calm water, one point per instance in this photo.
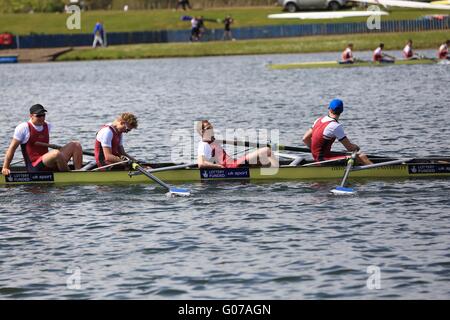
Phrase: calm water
[286,240]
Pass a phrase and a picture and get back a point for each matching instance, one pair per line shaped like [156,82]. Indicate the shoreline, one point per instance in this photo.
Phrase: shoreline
[425,40]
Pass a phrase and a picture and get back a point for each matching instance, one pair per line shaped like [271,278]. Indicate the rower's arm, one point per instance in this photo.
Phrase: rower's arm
[307,138]
[348,145]
[9,156]
[109,156]
[122,151]
[202,163]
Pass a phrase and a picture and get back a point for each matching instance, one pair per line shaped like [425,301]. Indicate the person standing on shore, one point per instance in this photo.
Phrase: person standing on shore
[183,4]
[227,28]
[99,34]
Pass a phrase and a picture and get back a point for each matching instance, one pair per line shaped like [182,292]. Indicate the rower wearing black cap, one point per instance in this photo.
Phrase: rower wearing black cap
[34,137]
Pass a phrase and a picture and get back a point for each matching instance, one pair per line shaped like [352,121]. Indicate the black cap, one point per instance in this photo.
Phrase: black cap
[37,109]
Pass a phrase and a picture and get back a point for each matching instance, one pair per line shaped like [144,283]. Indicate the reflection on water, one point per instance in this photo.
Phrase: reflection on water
[288,240]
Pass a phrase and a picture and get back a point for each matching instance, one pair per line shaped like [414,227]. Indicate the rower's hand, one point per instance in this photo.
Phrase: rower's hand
[6,171]
[356,148]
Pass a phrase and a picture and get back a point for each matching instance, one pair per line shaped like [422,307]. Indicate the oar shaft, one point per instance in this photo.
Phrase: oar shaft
[350,163]
[381,164]
[281,147]
[110,165]
[149,175]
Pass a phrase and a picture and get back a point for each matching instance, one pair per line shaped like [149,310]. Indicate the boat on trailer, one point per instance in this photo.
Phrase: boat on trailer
[383,168]
[337,64]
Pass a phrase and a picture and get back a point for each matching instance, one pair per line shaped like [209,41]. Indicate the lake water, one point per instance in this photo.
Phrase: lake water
[284,240]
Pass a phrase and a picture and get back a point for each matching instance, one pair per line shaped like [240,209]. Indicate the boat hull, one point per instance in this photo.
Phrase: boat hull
[413,170]
[335,64]
[9,59]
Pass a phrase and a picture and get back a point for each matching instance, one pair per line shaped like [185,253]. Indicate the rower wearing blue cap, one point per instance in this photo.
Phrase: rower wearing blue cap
[325,130]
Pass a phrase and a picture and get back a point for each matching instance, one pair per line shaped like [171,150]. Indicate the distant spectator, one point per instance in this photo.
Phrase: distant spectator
[227,30]
[194,29]
[183,4]
[99,34]
[201,27]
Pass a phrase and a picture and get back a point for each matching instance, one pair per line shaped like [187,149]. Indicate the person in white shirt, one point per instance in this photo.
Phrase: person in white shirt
[108,147]
[212,155]
[347,55]
[408,53]
[33,137]
[380,56]
[443,51]
[325,131]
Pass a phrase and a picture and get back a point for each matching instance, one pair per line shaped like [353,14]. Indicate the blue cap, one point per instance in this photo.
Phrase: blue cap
[337,106]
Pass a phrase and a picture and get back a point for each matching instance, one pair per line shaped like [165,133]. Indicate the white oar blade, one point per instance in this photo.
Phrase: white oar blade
[179,192]
[343,191]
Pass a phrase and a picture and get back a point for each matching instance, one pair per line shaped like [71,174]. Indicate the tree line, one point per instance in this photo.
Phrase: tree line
[26,6]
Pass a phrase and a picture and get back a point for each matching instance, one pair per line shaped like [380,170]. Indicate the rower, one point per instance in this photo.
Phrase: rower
[443,51]
[408,53]
[212,155]
[325,130]
[34,137]
[380,56]
[109,140]
[347,55]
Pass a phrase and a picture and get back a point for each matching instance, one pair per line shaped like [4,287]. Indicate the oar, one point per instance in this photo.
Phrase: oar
[423,57]
[110,165]
[281,147]
[171,190]
[174,167]
[341,189]
[57,147]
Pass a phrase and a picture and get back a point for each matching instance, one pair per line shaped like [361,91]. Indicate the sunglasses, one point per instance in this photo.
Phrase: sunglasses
[127,128]
[40,115]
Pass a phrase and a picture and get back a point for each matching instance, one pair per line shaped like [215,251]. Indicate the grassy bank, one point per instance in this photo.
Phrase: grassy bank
[393,41]
[119,21]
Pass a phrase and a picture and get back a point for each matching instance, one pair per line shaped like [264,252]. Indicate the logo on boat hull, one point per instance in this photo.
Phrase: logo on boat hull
[429,168]
[30,177]
[231,173]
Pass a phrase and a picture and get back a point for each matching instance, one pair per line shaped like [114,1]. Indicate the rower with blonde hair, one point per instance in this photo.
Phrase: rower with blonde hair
[212,155]
[109,140]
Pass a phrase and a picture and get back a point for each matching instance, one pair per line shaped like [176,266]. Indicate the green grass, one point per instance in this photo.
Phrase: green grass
[119,21]
[362,42]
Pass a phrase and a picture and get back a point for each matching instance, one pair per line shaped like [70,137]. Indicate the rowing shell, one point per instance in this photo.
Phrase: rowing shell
[336,64]
[427,167]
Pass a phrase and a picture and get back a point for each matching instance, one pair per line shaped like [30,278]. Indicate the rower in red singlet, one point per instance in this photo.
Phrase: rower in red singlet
[380,56]
[408,53]
[347,55]
[321,136]
[443,51]
[108,146]
[33,137]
